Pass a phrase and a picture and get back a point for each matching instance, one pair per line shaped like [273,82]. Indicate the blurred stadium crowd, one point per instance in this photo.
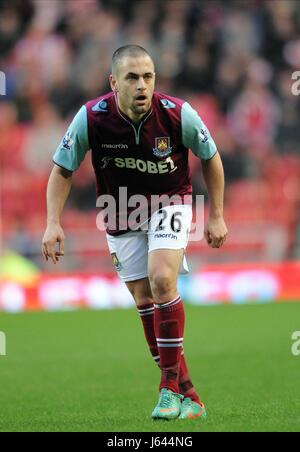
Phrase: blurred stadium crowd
[232,60]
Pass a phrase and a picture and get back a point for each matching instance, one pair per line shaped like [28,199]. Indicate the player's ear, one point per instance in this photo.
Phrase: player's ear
[113,83]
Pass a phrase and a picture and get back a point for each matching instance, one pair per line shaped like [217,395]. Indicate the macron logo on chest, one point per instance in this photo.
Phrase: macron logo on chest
[114,146]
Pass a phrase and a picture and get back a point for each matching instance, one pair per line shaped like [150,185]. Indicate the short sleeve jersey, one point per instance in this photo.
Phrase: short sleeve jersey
[149,158]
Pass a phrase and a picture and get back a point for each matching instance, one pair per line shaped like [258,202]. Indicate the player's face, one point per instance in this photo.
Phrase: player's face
[134,83]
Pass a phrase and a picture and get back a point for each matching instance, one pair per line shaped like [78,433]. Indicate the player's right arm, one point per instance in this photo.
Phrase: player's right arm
[58,190]
[67,158]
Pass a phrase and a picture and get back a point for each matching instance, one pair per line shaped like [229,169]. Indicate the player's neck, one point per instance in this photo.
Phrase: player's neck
[135,118]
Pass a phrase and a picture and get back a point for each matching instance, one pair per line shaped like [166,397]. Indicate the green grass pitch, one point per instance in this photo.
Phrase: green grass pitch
[91,370]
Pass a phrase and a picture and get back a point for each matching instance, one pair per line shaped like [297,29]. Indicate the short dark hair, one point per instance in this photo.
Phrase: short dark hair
[128,51]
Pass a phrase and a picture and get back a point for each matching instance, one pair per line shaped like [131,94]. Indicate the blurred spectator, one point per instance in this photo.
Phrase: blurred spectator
[254,117]
[12,137]
[14,18]
[288,133]
[43,135]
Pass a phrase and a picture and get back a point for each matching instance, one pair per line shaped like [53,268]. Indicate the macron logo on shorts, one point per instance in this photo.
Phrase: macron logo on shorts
[165,236]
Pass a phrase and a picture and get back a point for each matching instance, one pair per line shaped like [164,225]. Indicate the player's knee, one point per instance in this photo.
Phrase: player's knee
[141,293]
[141,301]
[141,298]
[162,284]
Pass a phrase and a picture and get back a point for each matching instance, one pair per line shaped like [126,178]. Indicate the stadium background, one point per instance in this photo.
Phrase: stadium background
[87,369]
[233,61]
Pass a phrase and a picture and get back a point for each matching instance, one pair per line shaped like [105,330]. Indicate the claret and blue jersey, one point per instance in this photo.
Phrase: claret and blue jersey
[149,158]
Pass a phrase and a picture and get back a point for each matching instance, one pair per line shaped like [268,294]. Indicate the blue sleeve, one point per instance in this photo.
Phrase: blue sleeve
[195,135]
[75,144]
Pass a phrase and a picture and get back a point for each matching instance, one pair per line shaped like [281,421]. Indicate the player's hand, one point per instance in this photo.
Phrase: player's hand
[215,232]
[54,234]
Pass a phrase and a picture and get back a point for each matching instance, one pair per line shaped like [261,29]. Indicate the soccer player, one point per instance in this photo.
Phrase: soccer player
[140,139]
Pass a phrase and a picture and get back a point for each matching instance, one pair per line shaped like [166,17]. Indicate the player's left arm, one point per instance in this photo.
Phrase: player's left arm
[196,137]
[215,230]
